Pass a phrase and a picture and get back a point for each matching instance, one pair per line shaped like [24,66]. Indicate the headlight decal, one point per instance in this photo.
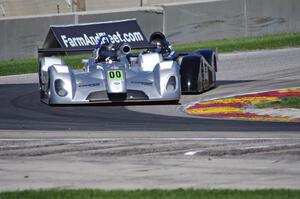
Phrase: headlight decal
[60,88]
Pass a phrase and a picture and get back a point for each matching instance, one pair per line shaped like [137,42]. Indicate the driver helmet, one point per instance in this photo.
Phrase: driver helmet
[159,39]
[107,51]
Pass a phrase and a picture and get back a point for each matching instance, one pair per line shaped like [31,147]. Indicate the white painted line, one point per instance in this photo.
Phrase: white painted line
[190,153]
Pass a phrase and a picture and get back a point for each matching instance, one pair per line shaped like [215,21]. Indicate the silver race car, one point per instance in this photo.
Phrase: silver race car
[114,74]
[110,75]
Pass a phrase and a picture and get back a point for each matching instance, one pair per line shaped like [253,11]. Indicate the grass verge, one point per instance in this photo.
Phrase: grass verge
[289,102]
[24,66]
[247,43]
[147,194]
[225,45]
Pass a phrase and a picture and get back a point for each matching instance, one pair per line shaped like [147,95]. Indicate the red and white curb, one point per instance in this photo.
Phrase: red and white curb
[242,107]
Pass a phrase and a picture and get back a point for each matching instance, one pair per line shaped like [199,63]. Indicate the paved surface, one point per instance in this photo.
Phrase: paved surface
[153,146]
[22,110]
[148,164]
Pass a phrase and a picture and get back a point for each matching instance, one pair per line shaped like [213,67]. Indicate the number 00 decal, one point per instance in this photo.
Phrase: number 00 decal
[115,75]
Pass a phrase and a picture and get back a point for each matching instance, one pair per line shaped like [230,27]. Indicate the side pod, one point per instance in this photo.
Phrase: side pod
[190,70]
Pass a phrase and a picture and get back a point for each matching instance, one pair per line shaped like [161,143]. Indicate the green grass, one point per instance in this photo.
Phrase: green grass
[247,43]
[225,45]
[24,66]
[157,194]
[289,102]
[18,67]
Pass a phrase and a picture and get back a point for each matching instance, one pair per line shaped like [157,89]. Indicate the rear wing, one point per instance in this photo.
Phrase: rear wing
[83,38]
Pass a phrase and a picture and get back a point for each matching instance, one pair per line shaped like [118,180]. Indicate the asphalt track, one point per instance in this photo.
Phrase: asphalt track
[21,108]
[151,145]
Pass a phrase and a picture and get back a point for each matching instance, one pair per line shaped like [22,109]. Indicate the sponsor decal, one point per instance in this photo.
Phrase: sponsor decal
[89,85]
[88,35]
[142,83]
[85,40]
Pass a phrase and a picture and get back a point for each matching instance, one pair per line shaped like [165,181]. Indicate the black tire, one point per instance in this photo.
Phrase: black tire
[45,92]
[40,80]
